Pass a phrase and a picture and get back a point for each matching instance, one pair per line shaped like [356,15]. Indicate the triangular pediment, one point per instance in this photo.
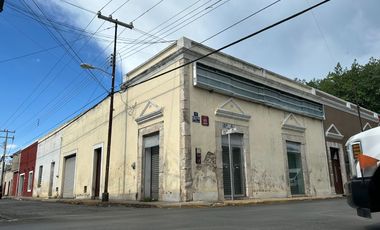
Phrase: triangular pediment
[231,109]
[367,127]
[333,132]
[291,122]
[150,111]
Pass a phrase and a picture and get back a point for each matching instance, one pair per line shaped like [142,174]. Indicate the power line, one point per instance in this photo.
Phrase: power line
[35,90]
[59,33]
[73,120]
[159,2]
[44,26]
[130,83]
[62,26]
[70,47]
[241,20]
[79,7]
[58,105]
[120,7]
[40,93]
[106,5]
[163,23]
[333,58]
[32,53]
[3,158]
[82,72]
[171,31]
[236,23]
[185,18]
[147,34]
[31,95]
[78,58]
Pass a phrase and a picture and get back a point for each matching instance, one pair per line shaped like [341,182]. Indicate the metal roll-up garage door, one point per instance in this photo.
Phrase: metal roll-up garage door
[68,181]
[154,172]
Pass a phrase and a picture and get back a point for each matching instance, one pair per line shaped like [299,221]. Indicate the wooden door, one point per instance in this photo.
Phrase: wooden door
[338,184]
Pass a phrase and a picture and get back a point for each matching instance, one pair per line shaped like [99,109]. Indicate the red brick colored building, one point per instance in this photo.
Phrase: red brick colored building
[27,170]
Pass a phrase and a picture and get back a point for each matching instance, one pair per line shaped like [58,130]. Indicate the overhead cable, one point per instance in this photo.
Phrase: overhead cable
[131,83]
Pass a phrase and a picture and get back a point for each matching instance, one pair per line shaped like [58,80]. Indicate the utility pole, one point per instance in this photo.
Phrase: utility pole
[105,195]
[6,137]
[1,5]
[358,107]
[359,116]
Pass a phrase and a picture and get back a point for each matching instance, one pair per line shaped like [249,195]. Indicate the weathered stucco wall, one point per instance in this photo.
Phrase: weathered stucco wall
[48,151]
[165,106]
[133,119]
[8,181]
[154,107]
[266,173]
[86,134]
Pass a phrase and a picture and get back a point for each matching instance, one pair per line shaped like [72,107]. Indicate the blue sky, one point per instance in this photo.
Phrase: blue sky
[43,43]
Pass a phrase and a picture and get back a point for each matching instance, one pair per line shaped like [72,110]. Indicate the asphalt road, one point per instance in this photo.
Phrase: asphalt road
[326,214]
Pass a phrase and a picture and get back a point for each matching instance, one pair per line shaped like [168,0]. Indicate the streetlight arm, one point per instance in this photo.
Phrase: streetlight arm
[89,67]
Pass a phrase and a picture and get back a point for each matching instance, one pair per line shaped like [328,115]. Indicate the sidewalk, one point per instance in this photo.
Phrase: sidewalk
[191,204]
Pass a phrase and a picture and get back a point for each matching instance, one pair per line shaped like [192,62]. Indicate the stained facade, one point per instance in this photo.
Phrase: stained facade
[46,177]
[212,130]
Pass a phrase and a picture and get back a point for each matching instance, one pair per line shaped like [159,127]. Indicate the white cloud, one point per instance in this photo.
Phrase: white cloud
[295,49]
[10,147]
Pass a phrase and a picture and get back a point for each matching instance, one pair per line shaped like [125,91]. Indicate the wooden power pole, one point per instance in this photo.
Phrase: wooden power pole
[105,195]
[6,137]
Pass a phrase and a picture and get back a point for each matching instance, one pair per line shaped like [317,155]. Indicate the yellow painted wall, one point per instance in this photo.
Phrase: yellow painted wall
[85,134]
[90,131]
[162,92]
[267,174]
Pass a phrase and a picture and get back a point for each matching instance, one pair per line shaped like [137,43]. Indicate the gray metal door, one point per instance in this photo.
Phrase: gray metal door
[68,181]
[233,185]
[154,172]
[151,166]
[226,171]
[238,171]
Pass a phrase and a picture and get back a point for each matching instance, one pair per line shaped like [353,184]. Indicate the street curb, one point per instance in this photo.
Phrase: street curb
[192,204]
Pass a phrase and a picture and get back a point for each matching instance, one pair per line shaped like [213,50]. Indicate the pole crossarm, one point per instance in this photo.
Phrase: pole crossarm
[110,19]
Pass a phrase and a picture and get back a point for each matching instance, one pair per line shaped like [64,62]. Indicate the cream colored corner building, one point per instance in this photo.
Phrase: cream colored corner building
[215,129]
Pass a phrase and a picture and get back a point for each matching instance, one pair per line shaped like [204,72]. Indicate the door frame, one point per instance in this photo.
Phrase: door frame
[51,179]
[343,171]
[337,172]
[231,167]
[73,153]
[156,128]
[302,162]
[94,162]
[20,186]
[297,137]
[147,168]
[246,157]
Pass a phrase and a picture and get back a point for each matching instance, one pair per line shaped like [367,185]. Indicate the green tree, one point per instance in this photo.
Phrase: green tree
[359,84]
